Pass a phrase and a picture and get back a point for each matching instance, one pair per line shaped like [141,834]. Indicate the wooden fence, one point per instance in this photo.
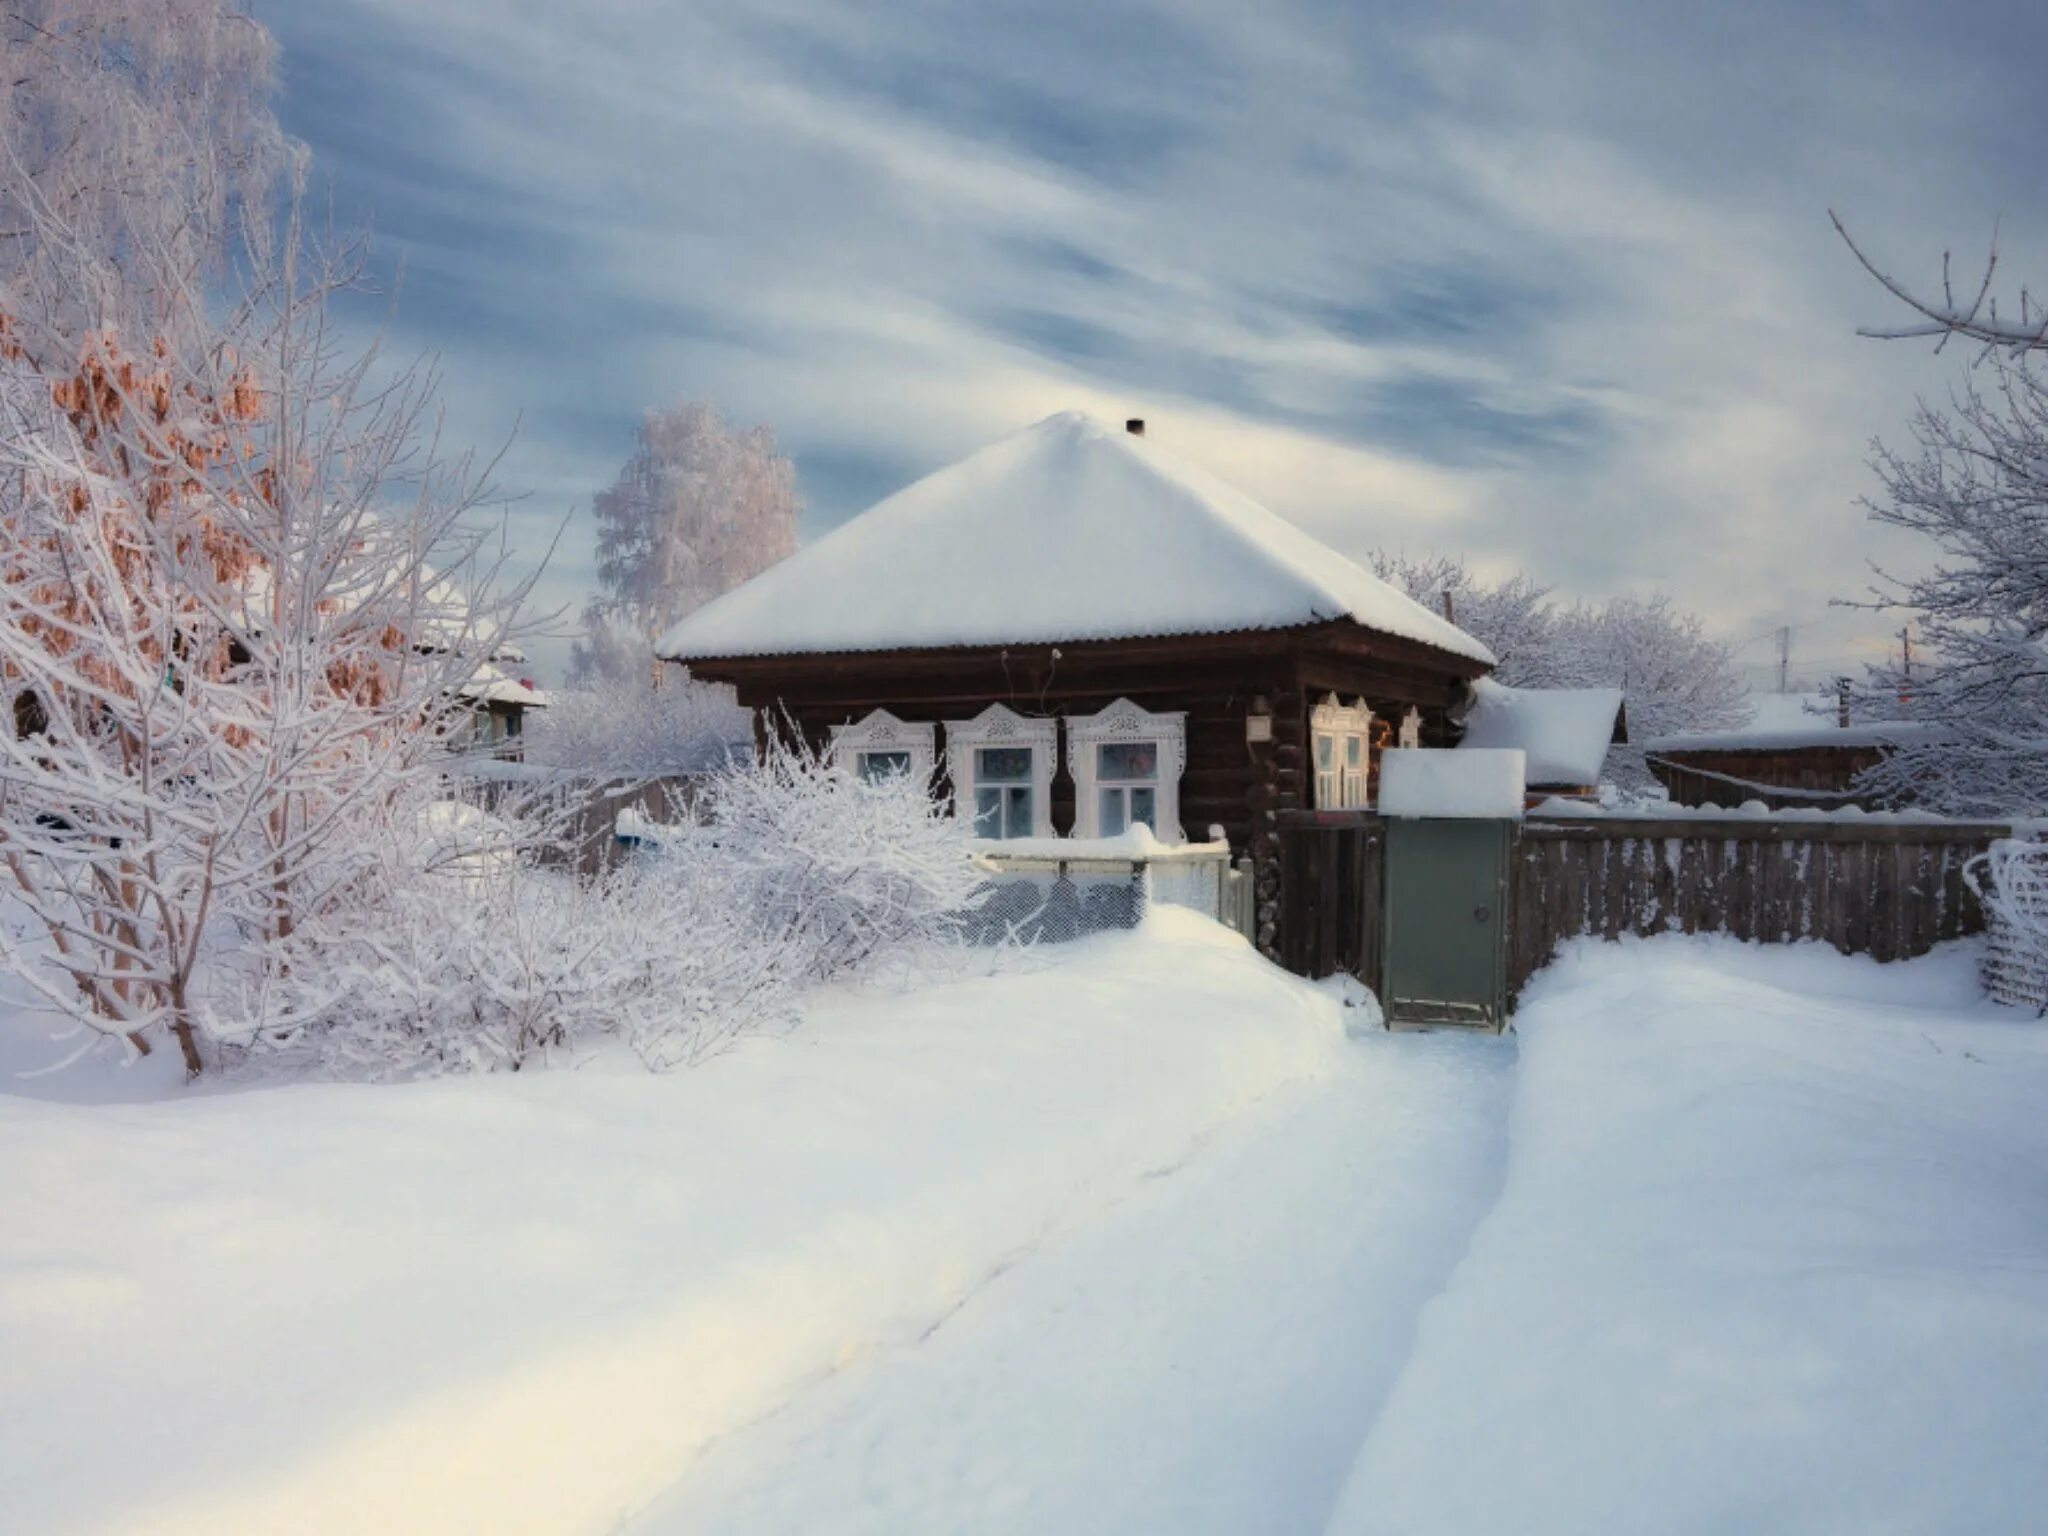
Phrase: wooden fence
[583,813]
[1891,889]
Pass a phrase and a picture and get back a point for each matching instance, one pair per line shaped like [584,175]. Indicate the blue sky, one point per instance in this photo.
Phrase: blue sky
[1551,286]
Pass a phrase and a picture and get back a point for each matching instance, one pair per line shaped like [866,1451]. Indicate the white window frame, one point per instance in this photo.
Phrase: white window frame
[881,731]
[1001,726]
[1411,728]
[1124,721]
[1343,786]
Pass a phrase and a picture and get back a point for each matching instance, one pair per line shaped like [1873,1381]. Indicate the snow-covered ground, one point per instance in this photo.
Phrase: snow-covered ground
[1771,1255]
[520,1303]
[1728,1239]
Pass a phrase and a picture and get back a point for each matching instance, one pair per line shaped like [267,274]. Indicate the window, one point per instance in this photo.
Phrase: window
[1339,735]
[1411,728]
[873,767]
[1127,765]
[1002,763]
[882,746]
[1126,786]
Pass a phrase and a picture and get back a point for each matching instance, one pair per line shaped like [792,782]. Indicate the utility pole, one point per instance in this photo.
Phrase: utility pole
[1784,657]
[1449,617]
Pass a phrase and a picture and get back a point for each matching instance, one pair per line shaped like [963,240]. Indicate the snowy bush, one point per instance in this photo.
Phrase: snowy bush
[624,727]
[459,954]
[843,871]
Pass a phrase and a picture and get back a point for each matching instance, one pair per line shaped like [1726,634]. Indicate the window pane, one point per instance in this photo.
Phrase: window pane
[988,813]
[1002,765]
[1127,760]
[1354,746]
[1326,751]
[1109,812]
[876,766]
[1142,803]
[1017,811]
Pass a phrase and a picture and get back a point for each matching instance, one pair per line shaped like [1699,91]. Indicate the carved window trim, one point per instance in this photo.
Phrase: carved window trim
[1001,726]
[1341,784]
[1127,722]
[880,731]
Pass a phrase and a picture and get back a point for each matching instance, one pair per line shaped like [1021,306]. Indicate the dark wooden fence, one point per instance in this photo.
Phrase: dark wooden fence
[1888,889]
[582,813]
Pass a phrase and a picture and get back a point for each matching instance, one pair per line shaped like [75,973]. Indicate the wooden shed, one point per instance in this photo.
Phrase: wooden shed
[1074,630]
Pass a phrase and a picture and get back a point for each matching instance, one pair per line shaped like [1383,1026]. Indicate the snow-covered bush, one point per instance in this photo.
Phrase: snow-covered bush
[625,727]
[458,953]
[844,871]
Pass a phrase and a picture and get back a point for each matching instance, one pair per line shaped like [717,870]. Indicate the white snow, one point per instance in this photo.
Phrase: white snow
[1205,1359]
[518,1304]
[1068,530]
[1565,732]
[1769,1256]
[1556,808]
[1459,782]
[1725,1238]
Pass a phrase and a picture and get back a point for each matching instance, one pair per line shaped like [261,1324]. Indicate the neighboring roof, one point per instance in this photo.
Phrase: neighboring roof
[1820,735]
[1564,732]
[1068,530]
[491,685]
[1786,722]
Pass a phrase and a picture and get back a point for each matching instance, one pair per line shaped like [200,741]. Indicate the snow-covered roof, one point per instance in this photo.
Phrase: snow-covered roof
[1564,732]
[492,685]
[1067,530]
[1874,733]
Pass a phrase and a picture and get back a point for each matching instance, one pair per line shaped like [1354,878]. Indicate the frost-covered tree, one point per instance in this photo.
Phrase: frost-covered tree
[240,599]
[1673,675]
[138,151]
[1513,617]
[1976,486]
[616,726]
[699,508]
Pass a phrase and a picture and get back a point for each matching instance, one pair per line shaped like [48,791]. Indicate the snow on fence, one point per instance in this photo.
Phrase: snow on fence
[1888,888]
[1050,895]
[2012,881]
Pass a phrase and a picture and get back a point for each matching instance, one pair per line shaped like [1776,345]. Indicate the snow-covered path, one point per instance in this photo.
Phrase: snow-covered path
[1207,1357]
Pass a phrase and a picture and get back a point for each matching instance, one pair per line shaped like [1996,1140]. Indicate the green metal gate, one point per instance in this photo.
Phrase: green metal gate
[1445,953]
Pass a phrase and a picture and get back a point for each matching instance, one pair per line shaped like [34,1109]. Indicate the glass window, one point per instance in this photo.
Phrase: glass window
[1127,760]
[1109,813]
[1354,751]
[1145,807]
[1002,765]
[876,766]
[1003,810]
[1326,753]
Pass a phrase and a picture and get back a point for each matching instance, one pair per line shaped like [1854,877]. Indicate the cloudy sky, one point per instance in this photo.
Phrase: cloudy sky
[1551,286]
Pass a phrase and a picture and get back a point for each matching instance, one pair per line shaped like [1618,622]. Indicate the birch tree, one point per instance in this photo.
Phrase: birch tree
[133,134]
[699,508]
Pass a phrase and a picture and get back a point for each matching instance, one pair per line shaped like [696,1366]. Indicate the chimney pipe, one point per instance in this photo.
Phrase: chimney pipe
[1135,426]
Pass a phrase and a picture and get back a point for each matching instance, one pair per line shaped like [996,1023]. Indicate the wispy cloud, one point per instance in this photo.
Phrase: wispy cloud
[1551,286]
